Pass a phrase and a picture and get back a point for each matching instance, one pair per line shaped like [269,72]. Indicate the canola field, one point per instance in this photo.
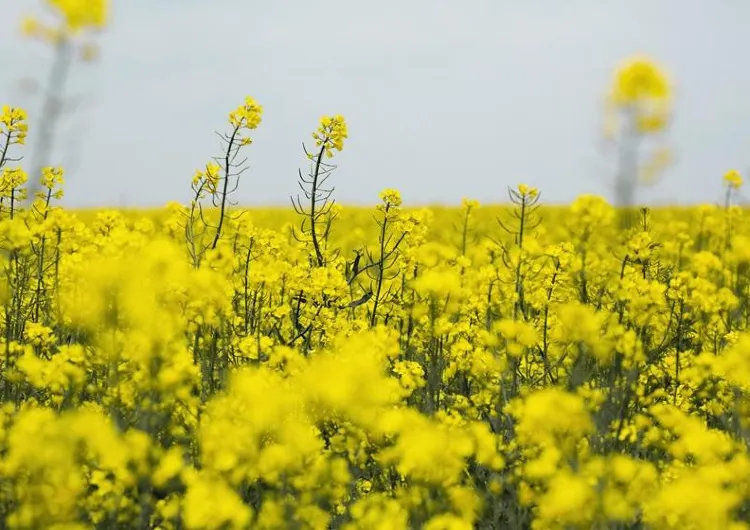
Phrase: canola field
[522,366]
[519,366]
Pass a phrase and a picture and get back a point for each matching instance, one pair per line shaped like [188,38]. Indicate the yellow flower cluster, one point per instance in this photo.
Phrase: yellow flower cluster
[733,179]
[391,197]
[208,179]
[79,14]
[246,116]
[13,128]
[642,89]
[526,191]
[75,17]
[638,79]
[331,134]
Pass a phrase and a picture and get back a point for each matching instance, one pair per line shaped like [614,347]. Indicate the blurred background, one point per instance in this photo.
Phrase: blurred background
[443,99]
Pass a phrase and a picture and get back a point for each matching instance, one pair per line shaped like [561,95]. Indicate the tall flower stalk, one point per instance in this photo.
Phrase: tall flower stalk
[639,107]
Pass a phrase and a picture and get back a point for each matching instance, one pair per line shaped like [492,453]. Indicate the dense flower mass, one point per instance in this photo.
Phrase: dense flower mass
[321,367]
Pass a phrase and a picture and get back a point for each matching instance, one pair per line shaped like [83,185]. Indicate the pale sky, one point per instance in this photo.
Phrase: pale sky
[443,99]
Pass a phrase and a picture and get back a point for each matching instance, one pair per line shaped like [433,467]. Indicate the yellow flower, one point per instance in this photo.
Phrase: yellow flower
[733,179]
[246,116]
[15,124]
[210,503]
[570,499]
[527,192]
[52,177]
[79,15]
[390,197]
[469,204]
[331,134]
[640,79]
[170,465]
[641,87]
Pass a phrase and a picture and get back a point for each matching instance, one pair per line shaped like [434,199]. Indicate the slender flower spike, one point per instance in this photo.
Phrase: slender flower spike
[11,181]
[52,183]
[246,117]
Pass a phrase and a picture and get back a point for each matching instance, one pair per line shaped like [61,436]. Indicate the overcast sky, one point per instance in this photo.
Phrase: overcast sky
[443,99]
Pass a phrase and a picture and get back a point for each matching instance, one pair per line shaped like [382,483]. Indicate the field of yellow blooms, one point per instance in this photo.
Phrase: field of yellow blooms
[206,367]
